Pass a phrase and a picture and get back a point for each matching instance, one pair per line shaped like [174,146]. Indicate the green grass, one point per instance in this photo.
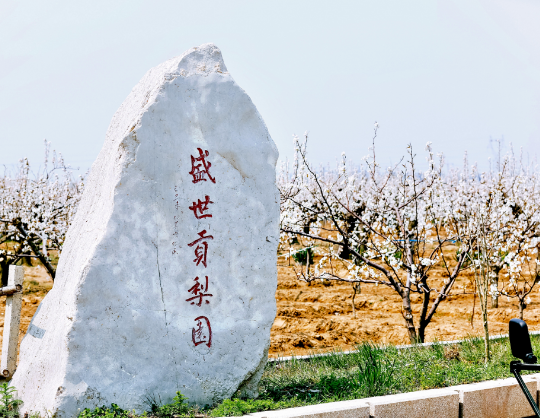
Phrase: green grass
[376,371]
[370,371]
[9,405]
[302,256]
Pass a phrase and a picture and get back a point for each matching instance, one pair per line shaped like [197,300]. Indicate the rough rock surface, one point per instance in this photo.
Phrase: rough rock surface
[132,316]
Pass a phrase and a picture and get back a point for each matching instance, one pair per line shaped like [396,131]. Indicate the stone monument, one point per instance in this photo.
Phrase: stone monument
[168,275]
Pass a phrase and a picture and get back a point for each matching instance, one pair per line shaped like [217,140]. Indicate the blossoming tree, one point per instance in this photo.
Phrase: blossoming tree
[36,210]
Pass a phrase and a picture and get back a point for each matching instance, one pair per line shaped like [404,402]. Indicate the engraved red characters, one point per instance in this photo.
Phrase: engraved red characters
[198,290]
[200,207]
[200,167]
[202,249]
[202,333]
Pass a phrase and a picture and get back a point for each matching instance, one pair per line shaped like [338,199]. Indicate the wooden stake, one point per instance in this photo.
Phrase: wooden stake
[12,319]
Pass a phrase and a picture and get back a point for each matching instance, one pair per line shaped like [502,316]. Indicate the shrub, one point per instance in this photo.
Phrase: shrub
[238,407]
[113,412]
[301,256]
[178,408]
[9,406]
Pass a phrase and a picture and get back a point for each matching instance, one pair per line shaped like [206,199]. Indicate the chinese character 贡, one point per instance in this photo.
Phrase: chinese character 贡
[198,290]
[200,207]
[202,247]
[200,167]
[202,333]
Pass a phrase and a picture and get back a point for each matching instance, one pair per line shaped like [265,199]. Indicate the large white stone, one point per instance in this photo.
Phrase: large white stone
[117,326]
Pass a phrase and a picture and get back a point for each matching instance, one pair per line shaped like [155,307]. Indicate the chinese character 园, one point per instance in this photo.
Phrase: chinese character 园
[202,334]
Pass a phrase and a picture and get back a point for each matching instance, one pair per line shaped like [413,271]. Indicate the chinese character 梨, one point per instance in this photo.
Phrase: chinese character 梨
[200,167]
[198,290]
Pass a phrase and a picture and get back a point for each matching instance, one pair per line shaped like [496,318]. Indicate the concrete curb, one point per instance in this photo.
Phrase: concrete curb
[399,347]
[500,398]
[357,408]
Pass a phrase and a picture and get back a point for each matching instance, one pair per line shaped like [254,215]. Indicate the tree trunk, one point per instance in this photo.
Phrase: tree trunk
[356,288]
[408,316]
[4,272]
[413,337]
[48,266]
[473,306]
[424,320]
[27,261]
[495,281]
[521,307]
[482,284]
[486,334]
[422,333]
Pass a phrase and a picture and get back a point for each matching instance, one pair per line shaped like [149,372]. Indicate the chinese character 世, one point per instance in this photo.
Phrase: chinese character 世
[197,289]
[200,167]
[202,334]
[202,248]
[200,207]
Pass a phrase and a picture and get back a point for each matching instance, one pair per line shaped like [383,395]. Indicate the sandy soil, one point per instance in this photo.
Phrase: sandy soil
[318,317]
[36,285]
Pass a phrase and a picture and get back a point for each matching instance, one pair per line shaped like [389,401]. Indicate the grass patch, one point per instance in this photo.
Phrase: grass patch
[375,371]
[302,256]
[370,371]
[9,406]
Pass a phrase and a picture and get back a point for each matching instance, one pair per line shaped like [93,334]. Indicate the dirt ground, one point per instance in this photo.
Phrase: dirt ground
[36,285]
[318,317]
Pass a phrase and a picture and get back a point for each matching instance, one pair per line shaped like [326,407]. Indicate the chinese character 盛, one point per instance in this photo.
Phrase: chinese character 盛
[200,167]
[198,290]
[203,333]
[200,207]
[202,248]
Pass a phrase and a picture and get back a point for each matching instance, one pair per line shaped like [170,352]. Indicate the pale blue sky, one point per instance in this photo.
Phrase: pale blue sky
[453,72]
